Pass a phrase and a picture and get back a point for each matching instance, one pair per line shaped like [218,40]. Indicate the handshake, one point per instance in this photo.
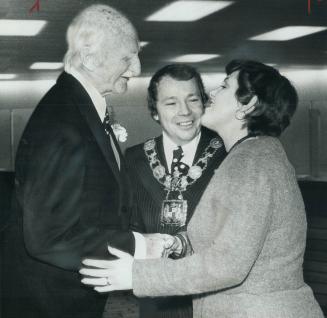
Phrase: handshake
[110,275]
[165,245]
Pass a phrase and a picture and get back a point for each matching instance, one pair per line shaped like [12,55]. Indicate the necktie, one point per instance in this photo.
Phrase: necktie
[109,132]
[177,165]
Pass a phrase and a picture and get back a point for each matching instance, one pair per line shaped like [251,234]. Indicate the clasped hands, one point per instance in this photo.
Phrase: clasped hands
[106,276]
[161,245]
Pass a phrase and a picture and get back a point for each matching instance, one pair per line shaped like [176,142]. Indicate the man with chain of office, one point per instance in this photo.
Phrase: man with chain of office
[170,172]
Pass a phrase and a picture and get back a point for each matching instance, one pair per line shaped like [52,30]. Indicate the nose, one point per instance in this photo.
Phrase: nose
[213,93]
[184,109]
[136,66]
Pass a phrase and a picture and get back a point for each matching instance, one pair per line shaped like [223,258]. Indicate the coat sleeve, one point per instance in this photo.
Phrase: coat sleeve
[228,259]
[50,189]
[136,223]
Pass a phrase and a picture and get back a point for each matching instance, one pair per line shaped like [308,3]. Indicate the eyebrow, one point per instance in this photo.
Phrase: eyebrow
[167,98]
[175,97]
[194,94]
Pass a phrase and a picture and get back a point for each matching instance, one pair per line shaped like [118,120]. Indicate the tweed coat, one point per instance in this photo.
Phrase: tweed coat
[149,195]
[248,233]
[70,201]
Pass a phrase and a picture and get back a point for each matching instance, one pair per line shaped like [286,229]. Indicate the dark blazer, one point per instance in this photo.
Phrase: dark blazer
[70,201]
[148,197]
[6,185]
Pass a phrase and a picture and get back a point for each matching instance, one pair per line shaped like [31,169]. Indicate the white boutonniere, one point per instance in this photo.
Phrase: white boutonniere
[120,132]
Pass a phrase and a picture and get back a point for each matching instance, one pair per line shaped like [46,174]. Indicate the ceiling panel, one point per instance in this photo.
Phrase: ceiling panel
[225,32]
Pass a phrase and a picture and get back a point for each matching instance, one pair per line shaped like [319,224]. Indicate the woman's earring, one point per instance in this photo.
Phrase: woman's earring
[240,114]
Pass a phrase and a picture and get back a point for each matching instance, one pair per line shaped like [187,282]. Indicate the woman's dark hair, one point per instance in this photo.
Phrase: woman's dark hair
[179,72]
[277,98]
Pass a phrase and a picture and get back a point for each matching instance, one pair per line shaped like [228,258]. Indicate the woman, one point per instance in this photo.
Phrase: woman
[248,231]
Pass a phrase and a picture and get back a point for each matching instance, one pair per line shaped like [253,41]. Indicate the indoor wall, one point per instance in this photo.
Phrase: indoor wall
[303,140]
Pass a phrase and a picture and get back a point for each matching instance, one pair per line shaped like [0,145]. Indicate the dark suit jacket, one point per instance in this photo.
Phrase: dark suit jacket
[6,185]
[148,197]
[71,200]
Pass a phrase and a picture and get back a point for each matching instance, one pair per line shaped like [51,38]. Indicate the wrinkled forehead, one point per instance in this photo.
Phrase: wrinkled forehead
[125,30]
[171,80]
[232,78]
[125,35]
[233,75]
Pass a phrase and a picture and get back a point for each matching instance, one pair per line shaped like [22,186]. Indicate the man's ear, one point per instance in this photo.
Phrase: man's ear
[250,106]
[88,59]
[155,117]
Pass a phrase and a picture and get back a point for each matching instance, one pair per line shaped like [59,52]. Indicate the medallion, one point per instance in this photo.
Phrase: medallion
[174,207]
[173,212]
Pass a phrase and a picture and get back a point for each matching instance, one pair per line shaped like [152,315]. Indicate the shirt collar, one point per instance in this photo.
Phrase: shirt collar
[98,100]
[189,149]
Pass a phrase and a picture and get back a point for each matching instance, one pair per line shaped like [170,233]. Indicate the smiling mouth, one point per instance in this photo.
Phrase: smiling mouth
[186,124]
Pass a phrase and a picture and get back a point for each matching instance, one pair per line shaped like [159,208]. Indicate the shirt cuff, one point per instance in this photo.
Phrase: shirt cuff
[140,246]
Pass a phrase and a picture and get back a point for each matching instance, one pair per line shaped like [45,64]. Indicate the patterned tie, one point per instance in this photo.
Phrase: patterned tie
[177,164]
[109,132]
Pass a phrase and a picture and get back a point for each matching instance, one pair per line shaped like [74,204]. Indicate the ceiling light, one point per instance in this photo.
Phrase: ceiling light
[31,88]
[193,58]
[46,66]
[187,10]
[288,33]
[143,43]
[21,27]
[212,80]
[7,76]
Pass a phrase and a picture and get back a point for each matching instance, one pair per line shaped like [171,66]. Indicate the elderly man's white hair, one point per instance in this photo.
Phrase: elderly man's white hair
[91,27]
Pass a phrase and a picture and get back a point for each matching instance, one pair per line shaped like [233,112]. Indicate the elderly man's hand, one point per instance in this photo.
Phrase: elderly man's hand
[107,276]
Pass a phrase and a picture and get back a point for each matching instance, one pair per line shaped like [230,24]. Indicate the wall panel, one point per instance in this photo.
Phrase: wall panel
[5,140]
[131,110]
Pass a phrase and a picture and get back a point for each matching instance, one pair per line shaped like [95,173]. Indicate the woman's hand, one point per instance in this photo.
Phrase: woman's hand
[107,276]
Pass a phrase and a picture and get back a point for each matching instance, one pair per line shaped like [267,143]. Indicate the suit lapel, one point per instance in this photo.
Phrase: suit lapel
[203,143]
[194,193]
[155,189]
[161,152]
[86,107]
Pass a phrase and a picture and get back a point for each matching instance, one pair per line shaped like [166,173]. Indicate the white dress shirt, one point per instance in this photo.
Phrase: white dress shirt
[189,149]
[98,100]
[99,103]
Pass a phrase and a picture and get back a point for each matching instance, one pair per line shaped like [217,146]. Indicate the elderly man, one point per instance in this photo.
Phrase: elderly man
[171,172]
[72,191]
